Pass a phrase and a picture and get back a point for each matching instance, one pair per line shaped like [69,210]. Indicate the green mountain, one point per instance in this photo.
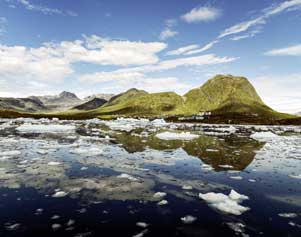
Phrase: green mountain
[229,99]
[227,94]
[139,102]
[223,96]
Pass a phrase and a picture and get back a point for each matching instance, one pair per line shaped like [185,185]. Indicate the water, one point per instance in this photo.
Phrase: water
[100,178]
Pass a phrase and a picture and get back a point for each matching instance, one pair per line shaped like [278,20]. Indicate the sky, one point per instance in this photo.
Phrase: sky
[109,46]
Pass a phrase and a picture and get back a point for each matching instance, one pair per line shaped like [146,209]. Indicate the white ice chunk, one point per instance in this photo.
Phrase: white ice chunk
[163,202]
[227,204]
[288,215]
[53,163]
[127,176]
[176,136]
[264,136]
[41,128]
[59,194]
[188,219]
[159,195]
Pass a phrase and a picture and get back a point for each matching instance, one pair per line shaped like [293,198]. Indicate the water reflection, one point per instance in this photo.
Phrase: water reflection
[232,151]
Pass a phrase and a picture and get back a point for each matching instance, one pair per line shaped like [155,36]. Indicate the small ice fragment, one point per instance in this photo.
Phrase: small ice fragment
[31,128]
[226,166]
[252,180]
[142,224]
[288,215]
[141,234]
[159,195]
[295,176]
[127,176]
[84,168]
[188,219]
[13,227]
[56,226]
[187,187]
[176,136]
[236,177]
[53,163]
[55,217]
[163,202]
[59,194]
[263,136]
[70,222]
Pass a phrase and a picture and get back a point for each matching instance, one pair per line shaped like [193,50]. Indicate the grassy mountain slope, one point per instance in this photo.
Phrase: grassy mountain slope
[142,103]
[226,94]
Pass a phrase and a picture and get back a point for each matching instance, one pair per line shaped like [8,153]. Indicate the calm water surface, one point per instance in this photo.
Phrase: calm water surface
[120,178]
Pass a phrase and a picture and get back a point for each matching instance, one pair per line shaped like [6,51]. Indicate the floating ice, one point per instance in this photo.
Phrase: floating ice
[227,204]
[187,187]
[264,136]
[159,195]
[188,219]
[34,128]
[288,215]
[141,234]
[10,153]
[56,226]
[176,136]
[53,163]
[236,177]
[163,202]
[226,166]
[295,176]
[59,194]
[142,224]
[87,151]
[127,176]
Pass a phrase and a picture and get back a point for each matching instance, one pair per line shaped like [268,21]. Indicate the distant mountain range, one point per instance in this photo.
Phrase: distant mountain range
[222,99]
[53,103]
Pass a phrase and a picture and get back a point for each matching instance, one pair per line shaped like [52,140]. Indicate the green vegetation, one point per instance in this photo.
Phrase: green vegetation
[229,99]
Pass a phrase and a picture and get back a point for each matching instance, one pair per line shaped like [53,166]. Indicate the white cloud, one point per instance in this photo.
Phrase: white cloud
[111,76]
[22,62]
[289,51]
[182,50]
[151,84]
[201,14]
[40,8]
[54,61]
[204,48]
[281,92]
[261,20]
[167,33]
[139,72]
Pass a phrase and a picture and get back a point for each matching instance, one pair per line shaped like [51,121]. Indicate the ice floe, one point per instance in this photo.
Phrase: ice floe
[41,128]
[264,136]
[188,219]
[59,194]
[176,136]
[226,203]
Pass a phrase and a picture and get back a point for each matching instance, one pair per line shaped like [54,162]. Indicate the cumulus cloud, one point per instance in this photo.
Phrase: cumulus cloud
[201,14]
[54,61]
[40,8]
[168,31]
[139,72]
[294,50]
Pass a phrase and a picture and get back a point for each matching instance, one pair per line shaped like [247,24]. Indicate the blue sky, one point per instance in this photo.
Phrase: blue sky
[102,46]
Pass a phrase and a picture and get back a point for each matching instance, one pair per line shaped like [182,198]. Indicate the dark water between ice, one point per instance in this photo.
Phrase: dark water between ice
[92,178]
